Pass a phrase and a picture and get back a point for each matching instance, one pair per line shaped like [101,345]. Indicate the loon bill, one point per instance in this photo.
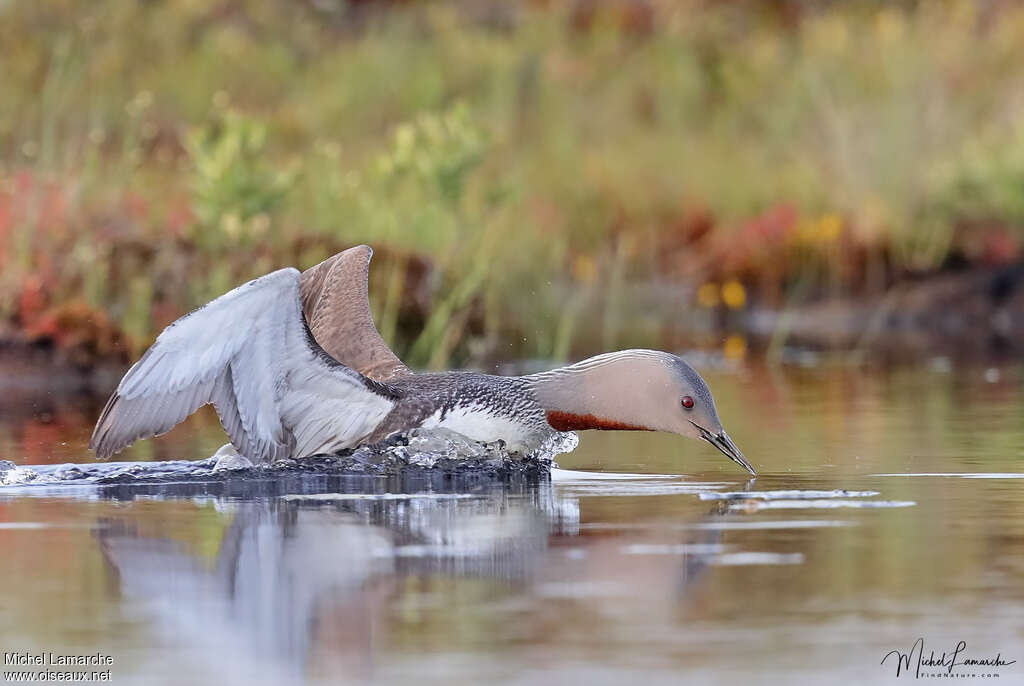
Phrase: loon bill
[295,367]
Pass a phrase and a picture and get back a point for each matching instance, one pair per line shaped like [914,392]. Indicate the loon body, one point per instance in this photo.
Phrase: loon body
[295,367]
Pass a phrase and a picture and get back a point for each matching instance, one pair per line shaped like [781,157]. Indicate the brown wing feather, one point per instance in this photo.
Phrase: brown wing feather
[335,301]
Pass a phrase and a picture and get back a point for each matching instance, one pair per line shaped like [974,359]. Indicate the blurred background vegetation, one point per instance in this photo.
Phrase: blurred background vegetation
[538,179]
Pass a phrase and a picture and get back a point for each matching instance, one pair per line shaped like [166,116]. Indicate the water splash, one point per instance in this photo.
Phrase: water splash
[13,475]
[437,450]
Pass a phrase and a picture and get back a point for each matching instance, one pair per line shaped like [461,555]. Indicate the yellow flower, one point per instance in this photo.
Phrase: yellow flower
[829,227]
[735,347]
[584,269]
[707,295]
[824,229]
[734,294]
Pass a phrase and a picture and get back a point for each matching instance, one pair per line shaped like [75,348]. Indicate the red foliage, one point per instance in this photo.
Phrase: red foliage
[998,247]
[179,218]
[32,302]
[762,238]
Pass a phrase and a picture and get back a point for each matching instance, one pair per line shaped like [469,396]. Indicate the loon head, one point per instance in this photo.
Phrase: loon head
[635,389]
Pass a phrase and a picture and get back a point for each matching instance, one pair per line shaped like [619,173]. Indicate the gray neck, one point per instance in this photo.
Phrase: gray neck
[610,391]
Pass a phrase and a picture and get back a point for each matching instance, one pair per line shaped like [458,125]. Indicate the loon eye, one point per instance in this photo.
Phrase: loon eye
[687,402]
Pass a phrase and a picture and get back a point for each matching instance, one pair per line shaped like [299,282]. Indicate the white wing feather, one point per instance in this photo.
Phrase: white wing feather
[250,353]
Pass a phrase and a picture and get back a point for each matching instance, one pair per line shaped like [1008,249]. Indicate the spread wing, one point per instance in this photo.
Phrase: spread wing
[336,303]
[250,353]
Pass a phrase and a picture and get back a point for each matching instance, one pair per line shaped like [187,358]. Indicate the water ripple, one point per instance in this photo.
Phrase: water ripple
[786,495]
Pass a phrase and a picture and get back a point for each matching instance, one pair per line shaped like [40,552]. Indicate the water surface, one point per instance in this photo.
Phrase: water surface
[889,507]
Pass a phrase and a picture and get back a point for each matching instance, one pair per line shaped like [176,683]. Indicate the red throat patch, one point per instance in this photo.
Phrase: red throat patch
[567,421]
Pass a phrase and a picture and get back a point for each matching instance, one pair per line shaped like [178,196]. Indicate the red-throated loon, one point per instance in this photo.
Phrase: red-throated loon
[295,367]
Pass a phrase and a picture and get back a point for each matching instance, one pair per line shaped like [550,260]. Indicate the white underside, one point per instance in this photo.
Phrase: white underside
[477,423]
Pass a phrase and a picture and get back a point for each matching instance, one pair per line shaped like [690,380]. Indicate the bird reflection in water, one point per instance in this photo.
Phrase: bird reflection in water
[303,586]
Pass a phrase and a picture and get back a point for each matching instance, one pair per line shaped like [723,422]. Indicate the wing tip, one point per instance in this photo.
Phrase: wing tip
[109,436]
[351,255]
[364,248]
[99,442]
[347,257]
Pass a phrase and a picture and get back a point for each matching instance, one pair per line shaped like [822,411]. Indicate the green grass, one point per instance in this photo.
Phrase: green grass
[517,177]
